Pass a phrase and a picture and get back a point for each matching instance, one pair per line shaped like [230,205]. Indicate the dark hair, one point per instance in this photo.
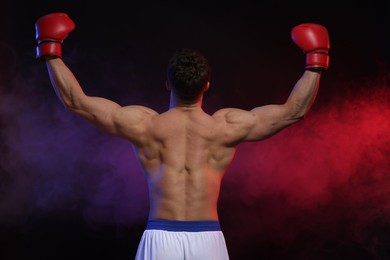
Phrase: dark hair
[188,72]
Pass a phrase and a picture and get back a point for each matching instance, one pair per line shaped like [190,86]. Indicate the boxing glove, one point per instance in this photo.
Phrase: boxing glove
[50,32]
[313,39]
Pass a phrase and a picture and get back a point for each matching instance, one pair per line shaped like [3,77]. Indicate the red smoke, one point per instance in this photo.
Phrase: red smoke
[327,148]
[325,179]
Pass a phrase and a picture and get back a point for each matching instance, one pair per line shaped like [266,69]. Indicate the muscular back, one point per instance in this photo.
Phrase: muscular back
[184,152]
[184,159]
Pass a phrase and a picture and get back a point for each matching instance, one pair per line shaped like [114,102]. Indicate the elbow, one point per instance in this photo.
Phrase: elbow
[69,106]
[296,117]
[299,116]
[71,103]
[298,112]
[72,100]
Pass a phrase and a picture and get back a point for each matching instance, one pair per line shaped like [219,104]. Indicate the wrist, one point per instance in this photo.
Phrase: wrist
[318,70]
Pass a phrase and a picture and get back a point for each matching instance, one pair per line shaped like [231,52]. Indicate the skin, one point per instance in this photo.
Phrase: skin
[184,151]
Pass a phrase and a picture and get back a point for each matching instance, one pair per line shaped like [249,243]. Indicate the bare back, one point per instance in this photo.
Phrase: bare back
[184,159]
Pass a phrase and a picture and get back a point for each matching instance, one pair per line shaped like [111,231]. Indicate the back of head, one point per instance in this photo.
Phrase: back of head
[188,72]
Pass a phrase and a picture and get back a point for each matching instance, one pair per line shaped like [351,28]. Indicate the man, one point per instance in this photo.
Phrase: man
[184,151]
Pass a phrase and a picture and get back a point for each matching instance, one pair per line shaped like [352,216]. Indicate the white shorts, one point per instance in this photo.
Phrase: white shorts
[179,240]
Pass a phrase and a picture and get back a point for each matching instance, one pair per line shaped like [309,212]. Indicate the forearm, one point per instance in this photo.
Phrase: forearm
[304,93]
[64,83]
[313,39]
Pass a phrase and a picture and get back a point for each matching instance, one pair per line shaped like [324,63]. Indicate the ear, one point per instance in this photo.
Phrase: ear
[167,86]
[206,86]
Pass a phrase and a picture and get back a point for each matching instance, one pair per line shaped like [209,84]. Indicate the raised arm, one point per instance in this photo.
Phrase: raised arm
[128,122]
[265,121]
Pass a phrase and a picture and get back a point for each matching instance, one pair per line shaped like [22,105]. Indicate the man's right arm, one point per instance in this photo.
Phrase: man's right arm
[265,121]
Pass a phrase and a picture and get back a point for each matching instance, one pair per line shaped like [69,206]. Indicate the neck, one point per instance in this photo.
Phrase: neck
[176,102]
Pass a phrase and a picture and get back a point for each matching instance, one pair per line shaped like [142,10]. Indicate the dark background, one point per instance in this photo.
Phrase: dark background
[317,190]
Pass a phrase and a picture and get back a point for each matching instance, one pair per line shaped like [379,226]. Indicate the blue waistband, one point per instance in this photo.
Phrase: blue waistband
[190,226]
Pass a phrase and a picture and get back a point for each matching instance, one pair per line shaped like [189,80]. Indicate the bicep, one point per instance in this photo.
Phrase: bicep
[128,122]
[98,111]
[269,120]
[256,124]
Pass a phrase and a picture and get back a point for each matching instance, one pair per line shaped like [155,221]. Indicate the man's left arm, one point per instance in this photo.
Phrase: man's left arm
[128,122]
[96,110]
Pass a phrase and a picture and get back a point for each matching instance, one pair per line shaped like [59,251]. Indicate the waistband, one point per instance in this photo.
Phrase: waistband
[189,226]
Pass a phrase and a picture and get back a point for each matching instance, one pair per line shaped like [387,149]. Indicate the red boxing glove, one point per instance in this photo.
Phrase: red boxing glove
[50,31]
[313,39]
